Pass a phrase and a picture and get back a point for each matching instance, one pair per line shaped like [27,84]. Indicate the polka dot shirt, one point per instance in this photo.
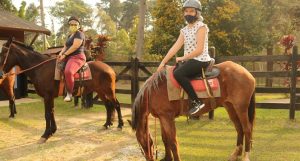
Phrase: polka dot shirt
[190,41]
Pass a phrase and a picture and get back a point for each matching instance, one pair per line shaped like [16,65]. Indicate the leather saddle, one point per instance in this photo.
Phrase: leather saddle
[210,72]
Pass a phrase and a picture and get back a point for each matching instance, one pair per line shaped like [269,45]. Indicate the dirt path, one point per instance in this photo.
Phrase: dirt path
[79,138]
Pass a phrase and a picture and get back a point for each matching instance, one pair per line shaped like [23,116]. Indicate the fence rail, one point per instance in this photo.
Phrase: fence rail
[134,66]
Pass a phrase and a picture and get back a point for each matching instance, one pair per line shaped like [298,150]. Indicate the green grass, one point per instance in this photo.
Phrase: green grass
[276,138]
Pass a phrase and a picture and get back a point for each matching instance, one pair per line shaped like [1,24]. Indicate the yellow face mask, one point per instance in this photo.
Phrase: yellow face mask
[73,29]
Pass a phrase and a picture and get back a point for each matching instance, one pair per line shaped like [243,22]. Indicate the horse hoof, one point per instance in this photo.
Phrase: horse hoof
[232,158]
[11,117]
[42,140]
[246,157]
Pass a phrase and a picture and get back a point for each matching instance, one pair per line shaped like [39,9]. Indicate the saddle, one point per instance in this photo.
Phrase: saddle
[210,72]
[199,84]
[84,73]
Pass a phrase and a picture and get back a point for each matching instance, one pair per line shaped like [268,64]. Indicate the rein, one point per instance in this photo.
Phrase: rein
[25,70]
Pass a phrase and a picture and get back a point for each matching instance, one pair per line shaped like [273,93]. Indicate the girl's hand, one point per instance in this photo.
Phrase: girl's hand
[179,59]
[61,57]
[160,67]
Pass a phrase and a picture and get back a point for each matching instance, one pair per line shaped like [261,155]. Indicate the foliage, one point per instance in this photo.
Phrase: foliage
[21,12]
[168,20]
[130,10]
[64,9]
[7,5]
[32,13]
[113,8]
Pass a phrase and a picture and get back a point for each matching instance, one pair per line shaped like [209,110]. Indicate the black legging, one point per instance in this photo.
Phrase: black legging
[187,71]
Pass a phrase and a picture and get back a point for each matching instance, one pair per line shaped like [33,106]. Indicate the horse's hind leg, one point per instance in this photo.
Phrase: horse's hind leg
[240,134]
[246,125]
[169,138]
[120,119]
[109,110]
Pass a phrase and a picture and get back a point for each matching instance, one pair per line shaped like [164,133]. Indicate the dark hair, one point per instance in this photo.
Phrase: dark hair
[74,18]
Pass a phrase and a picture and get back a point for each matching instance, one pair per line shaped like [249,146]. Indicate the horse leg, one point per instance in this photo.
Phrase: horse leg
[168,130]
[75,101]
[240,134]
[12,108]
[168,154]
[120,119]
[109,110]
[48,103]
[246,125]
[9,91]
[144,138]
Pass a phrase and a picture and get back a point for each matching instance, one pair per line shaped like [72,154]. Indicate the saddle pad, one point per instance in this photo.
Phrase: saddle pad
[174,88]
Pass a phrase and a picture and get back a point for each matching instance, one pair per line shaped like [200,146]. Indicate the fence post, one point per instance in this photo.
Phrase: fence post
[293,83]
[134,78]
[213,55]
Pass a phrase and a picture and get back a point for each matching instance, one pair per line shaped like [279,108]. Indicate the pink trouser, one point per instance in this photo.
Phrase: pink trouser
[74,63]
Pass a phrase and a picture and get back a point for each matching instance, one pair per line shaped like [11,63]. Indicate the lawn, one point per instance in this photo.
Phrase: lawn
[81,137]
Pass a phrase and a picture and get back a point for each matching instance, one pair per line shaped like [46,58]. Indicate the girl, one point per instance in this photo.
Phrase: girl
[73,55]
[194,37]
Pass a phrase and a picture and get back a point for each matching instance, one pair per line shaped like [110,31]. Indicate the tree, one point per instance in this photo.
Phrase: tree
[113,8]
[7,5]
[63,10]
[129,11]
[31,13]
[21,12]
[168,20]
[105,24]
[124,46]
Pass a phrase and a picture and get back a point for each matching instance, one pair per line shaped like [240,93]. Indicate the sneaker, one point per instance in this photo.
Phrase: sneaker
[68,98]
[196,105]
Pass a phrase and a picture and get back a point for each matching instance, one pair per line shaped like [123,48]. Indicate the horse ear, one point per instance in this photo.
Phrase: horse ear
[10,40]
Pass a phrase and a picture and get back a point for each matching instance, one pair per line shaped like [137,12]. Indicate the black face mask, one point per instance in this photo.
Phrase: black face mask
[190,19]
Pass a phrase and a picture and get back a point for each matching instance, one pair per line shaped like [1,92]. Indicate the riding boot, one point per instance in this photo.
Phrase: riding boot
[195,106]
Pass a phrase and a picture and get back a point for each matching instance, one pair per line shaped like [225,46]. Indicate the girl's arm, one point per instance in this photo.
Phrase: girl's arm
[62,50]
[174,49]
[76,44]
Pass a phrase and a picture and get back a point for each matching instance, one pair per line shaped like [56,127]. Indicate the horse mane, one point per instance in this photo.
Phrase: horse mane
[30,48]
[148,87]
[23,45]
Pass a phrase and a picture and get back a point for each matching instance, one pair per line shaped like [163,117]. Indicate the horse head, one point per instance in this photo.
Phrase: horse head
[6,58]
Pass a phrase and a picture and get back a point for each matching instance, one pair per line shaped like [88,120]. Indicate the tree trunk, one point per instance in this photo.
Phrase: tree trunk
[140,35]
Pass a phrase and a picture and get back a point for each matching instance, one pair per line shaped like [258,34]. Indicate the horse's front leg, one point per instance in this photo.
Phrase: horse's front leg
[12,108]
[50,121]
[144,138]
[168,130]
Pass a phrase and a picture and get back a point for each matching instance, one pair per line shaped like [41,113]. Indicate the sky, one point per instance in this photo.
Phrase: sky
[47,5]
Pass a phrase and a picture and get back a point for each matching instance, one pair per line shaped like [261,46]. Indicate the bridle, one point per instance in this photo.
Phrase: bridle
[6,55]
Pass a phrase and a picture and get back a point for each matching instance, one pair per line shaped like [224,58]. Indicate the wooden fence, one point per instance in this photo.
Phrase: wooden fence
[132,69]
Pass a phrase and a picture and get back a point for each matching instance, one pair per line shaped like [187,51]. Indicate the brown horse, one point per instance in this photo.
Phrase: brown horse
[42,77]
[7,86]
[237,96]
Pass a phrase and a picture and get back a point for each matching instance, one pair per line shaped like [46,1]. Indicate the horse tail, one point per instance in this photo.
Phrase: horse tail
[251,113]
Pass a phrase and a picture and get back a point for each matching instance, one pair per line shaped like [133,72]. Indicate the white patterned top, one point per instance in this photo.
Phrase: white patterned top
[190,41]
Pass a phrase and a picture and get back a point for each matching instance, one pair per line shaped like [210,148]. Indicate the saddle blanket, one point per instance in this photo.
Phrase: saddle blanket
[174,88]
